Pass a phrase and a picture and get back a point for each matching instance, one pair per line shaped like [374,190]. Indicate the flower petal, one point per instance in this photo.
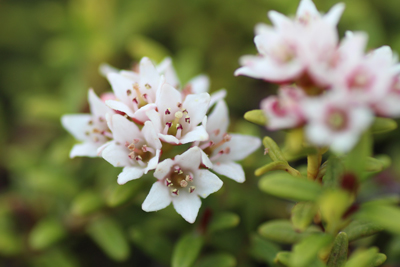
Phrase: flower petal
[334,14]
[240,147]
[190,159]
[206,182]
[307,7]
[163,168]
[130,173]
[97,107]
[150,134]
[87,149]
[152,164]
[141,113]
[187,205]
[116,155]
[199,133]
[205,160]
[158,198]
[154,117]
[120,106]
[148,74]
[168,98]
[200,84]
[120,85]
[197,106]
[231,170]
[218,121]
[124,130]
[216,96]
[77,125]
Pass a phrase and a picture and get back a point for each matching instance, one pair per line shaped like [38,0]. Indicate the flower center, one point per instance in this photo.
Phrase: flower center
[360,80]
[210,146]
[138,99]
[98,130]
[141,154]
[175,125]
[178,180]
[337,120]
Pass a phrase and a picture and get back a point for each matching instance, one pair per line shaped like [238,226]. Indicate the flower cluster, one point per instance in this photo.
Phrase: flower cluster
[331,87]
[147,115]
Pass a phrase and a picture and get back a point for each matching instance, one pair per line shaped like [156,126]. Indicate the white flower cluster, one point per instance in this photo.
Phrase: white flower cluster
[148,113]
[331,87]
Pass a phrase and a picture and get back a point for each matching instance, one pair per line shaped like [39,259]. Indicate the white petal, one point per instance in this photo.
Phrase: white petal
[231,170]
[344,142]
[218,121]
[117,155]
[105,69]
[206,183]
[120,106]
[278,19]
[169,138]
[334,14]
[307,7]
[200,84]
[141,113]
[130,173]
[158,198]
[167,69]
[152,164]
[197,106]
[190,159]
[120,85]
[240,147]
[199,133]
[154,117]
[77,125]
[87,149]
[168,98]
[148,74]
[97,107]
[163,168]
[205,160]
[151,135]
[124,130]
[216,96]
[187,205]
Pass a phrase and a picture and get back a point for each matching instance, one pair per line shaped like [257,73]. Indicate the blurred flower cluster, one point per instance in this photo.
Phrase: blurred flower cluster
[331,87]
[147,119]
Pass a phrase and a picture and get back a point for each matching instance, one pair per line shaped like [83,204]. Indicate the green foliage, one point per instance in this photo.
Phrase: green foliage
[359,229]
[306,251]
[220,260]
[383,125]
[187,250]
[263,250]
[338,255]
[222,221]
[256,116]
[86,203]
[303,214]
[46,233]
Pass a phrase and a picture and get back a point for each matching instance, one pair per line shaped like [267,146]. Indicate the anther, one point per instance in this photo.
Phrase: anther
[95,130]
[167,111]
[187,119]
[177,169]
[96,139]
[131,146]
[191,189]
[87,133]
[188,178]
[128,92]
[90,122]
[131,155]
[135,101]
[227,150]
[169,182]
[227,137]
[216,132]
[175,192]
[101,119]
[183,183]
[185,111]
[138,158]
[135,141]
[148,86]
[179,126]
[179,104]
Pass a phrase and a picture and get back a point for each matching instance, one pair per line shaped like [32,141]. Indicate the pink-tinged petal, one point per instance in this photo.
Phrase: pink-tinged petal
[158,198]
[167,69]
[151,135]
[205,160]
[217,96]
[307,8]
[163,168]
[105,69]
[169,97]
[117,155]
[141,114]
[120,106]
[187,205]
[264,29]
[169,139]
[206,183]
[120,85]
[148,74]
[133,76]
[101,148]
[240,147]
[154,117]
[231,170]
[97,107]
[77,125]
[124,130]
[87,149]
[334,14]
[190,159]
[197,106]
[130,173]
[200,84]
[199,133]
[218,122]
[279,20]
[152,164]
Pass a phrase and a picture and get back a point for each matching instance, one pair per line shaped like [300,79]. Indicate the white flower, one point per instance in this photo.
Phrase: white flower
[181,182]
[90,129]
[223,148]
[138,151]
[335,121]
[177,117]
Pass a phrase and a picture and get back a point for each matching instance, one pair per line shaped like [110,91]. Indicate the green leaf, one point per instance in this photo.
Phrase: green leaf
[388,217]
[86,203]
[262,249]
[273,149]
[306,251]
[256,116]
[379,259]
[222,221]
[334,170]
[359,229]
[383,125]
[356,159]
[283,258]
[284,185]
[338,255]
[219,259]
[186,250]
[282,231]
[303,214]
[273,166]
[120,194]
[363,258]
[109,236]
[46,233]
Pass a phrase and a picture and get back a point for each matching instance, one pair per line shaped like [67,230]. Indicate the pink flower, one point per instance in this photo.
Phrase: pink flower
[90,129]
[224,148]
[181,182]
[138,151]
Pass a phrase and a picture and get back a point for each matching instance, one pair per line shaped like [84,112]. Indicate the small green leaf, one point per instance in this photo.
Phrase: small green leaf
[120,194]
[273,166]
[284,185]
[186,250]
[282,231]
[46,233]
[356,159]
[385,216]
[109,236]
[283,257]
[383,125]
[338,255]
[359,229]
[273,149]
[220,260]
[303,214]
[222,221]
[263,250]
[363,258]
[334,170]
[86,203]
[306,251]
[379,260]
[256,116]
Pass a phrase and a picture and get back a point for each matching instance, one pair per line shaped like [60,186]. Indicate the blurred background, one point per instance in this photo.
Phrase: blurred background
[57,211]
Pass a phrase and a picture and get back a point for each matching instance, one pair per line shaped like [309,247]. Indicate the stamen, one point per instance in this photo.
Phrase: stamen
[183,183]
[185,111]
[217,131]
[95,130]
[87,133]
[131,155]
[191,189]
[168,182]
[138,158]
[217,155]
[107,134]
[148,86]
[189,178]
[147,98]
[177,169]
[101,119]
[167,111]
[128,92]
[90,122]
[135,141]
[166,128]
[204,146]
[226,138]
[187,119]
[175,192]
[179,104]
[178,114]
[178,131]
[227,150]
[96,139]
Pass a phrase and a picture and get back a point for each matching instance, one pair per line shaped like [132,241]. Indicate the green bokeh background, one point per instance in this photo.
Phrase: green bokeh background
[50,52]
